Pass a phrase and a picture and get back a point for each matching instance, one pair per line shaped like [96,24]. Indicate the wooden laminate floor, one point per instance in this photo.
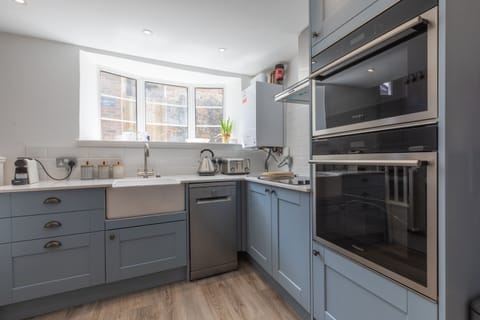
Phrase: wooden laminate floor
[241,294]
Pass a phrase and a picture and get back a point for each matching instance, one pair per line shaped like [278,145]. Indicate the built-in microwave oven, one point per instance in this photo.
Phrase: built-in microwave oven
[383,75]
[375,201]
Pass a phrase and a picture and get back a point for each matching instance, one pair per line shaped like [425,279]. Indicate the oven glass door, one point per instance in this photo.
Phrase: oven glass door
[383,213]
[395,85]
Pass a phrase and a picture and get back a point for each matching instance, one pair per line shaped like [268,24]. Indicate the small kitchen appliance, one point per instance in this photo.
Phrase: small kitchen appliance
[26,172]
[234,166]
[207,166]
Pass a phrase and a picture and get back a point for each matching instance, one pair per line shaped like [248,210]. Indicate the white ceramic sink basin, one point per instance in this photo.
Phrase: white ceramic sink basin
[130,198]
[140,182]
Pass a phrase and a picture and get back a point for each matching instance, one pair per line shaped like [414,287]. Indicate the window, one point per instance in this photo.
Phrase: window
[118,106]
[166,112]
[208,112]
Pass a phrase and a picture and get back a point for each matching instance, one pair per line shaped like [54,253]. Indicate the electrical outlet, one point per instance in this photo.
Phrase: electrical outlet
[62,162]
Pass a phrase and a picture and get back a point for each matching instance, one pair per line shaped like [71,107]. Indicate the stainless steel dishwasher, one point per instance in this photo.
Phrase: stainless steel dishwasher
[213,229]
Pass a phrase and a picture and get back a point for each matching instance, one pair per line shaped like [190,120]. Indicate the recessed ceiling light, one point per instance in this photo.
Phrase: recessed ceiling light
[371,70]
[147,32]
[222,49]
[24,2]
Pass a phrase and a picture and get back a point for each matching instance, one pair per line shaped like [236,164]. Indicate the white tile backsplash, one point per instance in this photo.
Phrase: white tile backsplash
[164,161]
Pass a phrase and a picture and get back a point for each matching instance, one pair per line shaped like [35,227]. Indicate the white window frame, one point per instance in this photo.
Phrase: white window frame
[195,106]
[144,101]
[141,99]
[99,98]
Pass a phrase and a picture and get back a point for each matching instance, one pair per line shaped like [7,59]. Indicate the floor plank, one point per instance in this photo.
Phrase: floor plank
[238,295]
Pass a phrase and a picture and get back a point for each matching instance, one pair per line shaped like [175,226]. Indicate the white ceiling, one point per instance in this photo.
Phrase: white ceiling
[256,33]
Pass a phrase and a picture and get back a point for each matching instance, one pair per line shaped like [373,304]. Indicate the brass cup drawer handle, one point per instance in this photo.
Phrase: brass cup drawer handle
[52,200]
[52,244]
[52,224]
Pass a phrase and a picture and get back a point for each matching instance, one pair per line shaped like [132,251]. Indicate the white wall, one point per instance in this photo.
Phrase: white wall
[39,111]
[91,62]
[297,123]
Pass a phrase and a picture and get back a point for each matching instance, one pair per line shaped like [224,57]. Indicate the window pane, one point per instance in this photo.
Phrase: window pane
[118,106]
[208,112]
[166,112]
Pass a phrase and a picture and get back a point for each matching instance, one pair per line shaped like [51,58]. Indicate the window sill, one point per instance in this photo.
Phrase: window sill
[155,144]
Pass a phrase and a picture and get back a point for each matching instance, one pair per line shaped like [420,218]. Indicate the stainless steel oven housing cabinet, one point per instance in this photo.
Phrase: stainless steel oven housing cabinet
[397,225]
[376,66]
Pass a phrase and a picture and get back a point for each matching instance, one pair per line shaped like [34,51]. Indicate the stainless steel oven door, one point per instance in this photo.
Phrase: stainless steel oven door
[395,87]
[381,211]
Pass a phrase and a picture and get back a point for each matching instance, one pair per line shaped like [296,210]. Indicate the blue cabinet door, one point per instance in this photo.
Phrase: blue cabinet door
[5,230]
[5,274]
[54,265]
[291,243]
[318,281]
[138,251]
[352,291]
[5,210]
[259,225]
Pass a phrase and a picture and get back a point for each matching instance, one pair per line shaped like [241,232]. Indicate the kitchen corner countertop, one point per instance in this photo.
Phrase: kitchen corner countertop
[302,188]
[138,182]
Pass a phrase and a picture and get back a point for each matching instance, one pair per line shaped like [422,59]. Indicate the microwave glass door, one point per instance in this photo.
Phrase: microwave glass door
[377,212]
[388,85]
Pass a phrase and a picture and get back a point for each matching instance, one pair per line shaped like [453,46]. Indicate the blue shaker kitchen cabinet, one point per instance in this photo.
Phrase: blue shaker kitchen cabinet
[318,281]
[5,211]
[5,274]
[291,243]
[259,225]
[345,290]
[5,221]
[138,251]
[331,20]
[48,266]
[45,202]
[278,237]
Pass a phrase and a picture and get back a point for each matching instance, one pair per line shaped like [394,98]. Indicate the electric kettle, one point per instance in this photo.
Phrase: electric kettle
[207,167]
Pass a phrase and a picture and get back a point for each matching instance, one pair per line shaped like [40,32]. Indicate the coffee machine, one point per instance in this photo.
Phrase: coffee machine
[26,171]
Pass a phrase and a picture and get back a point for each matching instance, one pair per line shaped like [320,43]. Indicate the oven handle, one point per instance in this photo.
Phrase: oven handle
[393,33]
[389,163]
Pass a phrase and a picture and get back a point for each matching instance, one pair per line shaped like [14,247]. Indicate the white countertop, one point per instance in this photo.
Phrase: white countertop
[138,182]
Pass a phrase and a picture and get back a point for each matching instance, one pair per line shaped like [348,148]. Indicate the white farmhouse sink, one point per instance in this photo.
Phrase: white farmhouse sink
[133,200]
[140,182]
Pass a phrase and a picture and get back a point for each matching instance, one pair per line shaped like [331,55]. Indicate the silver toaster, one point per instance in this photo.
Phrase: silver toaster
[234,166]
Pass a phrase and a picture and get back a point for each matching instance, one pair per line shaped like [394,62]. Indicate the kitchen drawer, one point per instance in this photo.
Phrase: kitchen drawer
[5,274]
[32,203]
[75,262]
[340,269]
[5,230]
[138,251]
[5,211]
[57,224]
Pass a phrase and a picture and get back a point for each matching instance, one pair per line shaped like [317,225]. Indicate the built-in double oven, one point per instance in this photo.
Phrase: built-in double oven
[374,145]
[382,75]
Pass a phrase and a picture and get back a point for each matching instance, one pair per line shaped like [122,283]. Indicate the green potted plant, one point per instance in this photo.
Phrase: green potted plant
[226,128]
